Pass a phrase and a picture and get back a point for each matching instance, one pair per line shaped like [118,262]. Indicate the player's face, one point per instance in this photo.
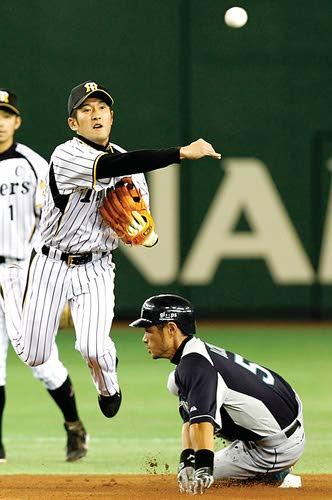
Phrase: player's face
[159,342]
[9,123]
[93,121]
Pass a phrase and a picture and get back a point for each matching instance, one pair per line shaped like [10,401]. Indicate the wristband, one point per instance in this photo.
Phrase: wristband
[204,458]
[187,457]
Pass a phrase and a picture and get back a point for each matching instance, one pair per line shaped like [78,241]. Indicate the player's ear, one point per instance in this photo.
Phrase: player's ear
[112,116]
[172,327]
[72,122]
[18,122]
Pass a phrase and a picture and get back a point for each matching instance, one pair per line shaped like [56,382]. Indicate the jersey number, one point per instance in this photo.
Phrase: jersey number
[267,376]
[11,210]
[254,368]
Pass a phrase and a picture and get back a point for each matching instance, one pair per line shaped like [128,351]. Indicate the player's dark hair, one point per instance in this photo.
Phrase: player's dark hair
[160,327]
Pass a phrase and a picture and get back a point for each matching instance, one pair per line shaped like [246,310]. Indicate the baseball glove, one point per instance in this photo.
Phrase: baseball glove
[124,209]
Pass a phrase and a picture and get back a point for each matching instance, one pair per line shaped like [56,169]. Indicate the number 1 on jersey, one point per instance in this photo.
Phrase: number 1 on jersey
[11,210]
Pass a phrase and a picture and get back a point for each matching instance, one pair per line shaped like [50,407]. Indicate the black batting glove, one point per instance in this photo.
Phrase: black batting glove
[203,476]
[203,479]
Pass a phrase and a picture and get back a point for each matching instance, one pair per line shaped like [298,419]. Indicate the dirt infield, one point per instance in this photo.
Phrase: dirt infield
[26,487]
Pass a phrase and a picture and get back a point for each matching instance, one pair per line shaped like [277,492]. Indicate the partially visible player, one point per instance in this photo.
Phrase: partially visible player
[73,261]
[221,393]
[22,173]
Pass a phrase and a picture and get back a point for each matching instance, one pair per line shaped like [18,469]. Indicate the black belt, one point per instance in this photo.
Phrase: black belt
[292,429]
[73,259]
[3,259]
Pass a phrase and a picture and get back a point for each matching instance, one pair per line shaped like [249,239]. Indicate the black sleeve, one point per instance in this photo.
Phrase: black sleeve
[135,162]
[199,385]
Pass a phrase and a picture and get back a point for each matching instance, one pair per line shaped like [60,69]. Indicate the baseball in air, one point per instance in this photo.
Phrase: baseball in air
[236,17]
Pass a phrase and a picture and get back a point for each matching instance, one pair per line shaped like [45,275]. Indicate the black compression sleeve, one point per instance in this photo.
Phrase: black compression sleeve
[134,162]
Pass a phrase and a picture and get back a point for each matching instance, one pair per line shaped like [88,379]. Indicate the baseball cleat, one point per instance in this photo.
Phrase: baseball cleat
[291,481]
[272,478]
[2,455]
[110,405]
[77,441]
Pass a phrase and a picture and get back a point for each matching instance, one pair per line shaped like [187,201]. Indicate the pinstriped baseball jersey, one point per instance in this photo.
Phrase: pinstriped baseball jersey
[71,223]
[22,182]
[22,174]
[70,220]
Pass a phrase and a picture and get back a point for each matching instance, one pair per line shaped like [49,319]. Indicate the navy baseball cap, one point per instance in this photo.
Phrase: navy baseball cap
[164,308]
[85,90]
[8,100]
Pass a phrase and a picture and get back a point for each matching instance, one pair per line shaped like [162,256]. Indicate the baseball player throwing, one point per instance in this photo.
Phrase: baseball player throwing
[22,173]
[223,394]
[73,260]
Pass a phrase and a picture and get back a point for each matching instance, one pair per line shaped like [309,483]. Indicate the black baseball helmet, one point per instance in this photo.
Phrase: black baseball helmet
[167,307]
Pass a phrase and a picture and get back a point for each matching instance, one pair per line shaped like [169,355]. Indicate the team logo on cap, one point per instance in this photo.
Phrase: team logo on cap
[91,87]
[4,96]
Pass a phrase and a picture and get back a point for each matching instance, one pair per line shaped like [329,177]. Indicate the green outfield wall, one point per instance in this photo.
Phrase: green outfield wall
[249,236]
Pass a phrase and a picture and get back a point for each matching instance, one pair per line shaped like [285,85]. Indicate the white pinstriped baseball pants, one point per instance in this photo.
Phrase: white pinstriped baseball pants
[88,289]
[52,373]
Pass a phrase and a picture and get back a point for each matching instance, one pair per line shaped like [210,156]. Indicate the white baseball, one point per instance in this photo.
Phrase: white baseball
[236,17]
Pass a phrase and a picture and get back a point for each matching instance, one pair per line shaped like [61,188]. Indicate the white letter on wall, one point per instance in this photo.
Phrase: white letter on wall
[325,265]
[247,188]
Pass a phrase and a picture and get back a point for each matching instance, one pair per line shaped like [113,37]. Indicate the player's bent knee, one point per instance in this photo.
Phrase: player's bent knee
[35,361]
[86,354]
[91,357]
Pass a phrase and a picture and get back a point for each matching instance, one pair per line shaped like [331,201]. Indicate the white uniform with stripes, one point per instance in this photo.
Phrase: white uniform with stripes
[71,223]
[22,174]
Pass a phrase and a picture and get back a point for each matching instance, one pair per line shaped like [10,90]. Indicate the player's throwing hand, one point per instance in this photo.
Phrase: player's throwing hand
[198,149]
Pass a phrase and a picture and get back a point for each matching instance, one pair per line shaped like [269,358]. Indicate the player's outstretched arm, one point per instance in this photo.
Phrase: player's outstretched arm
[145,160]
[198,149]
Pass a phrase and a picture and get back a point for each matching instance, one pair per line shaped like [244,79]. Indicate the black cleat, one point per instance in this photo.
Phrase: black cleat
[2,455]
[276,477]
[110,405]
[272,478]
[77,441]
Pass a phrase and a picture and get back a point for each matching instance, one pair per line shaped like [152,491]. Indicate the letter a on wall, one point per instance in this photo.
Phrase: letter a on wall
[247,188]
